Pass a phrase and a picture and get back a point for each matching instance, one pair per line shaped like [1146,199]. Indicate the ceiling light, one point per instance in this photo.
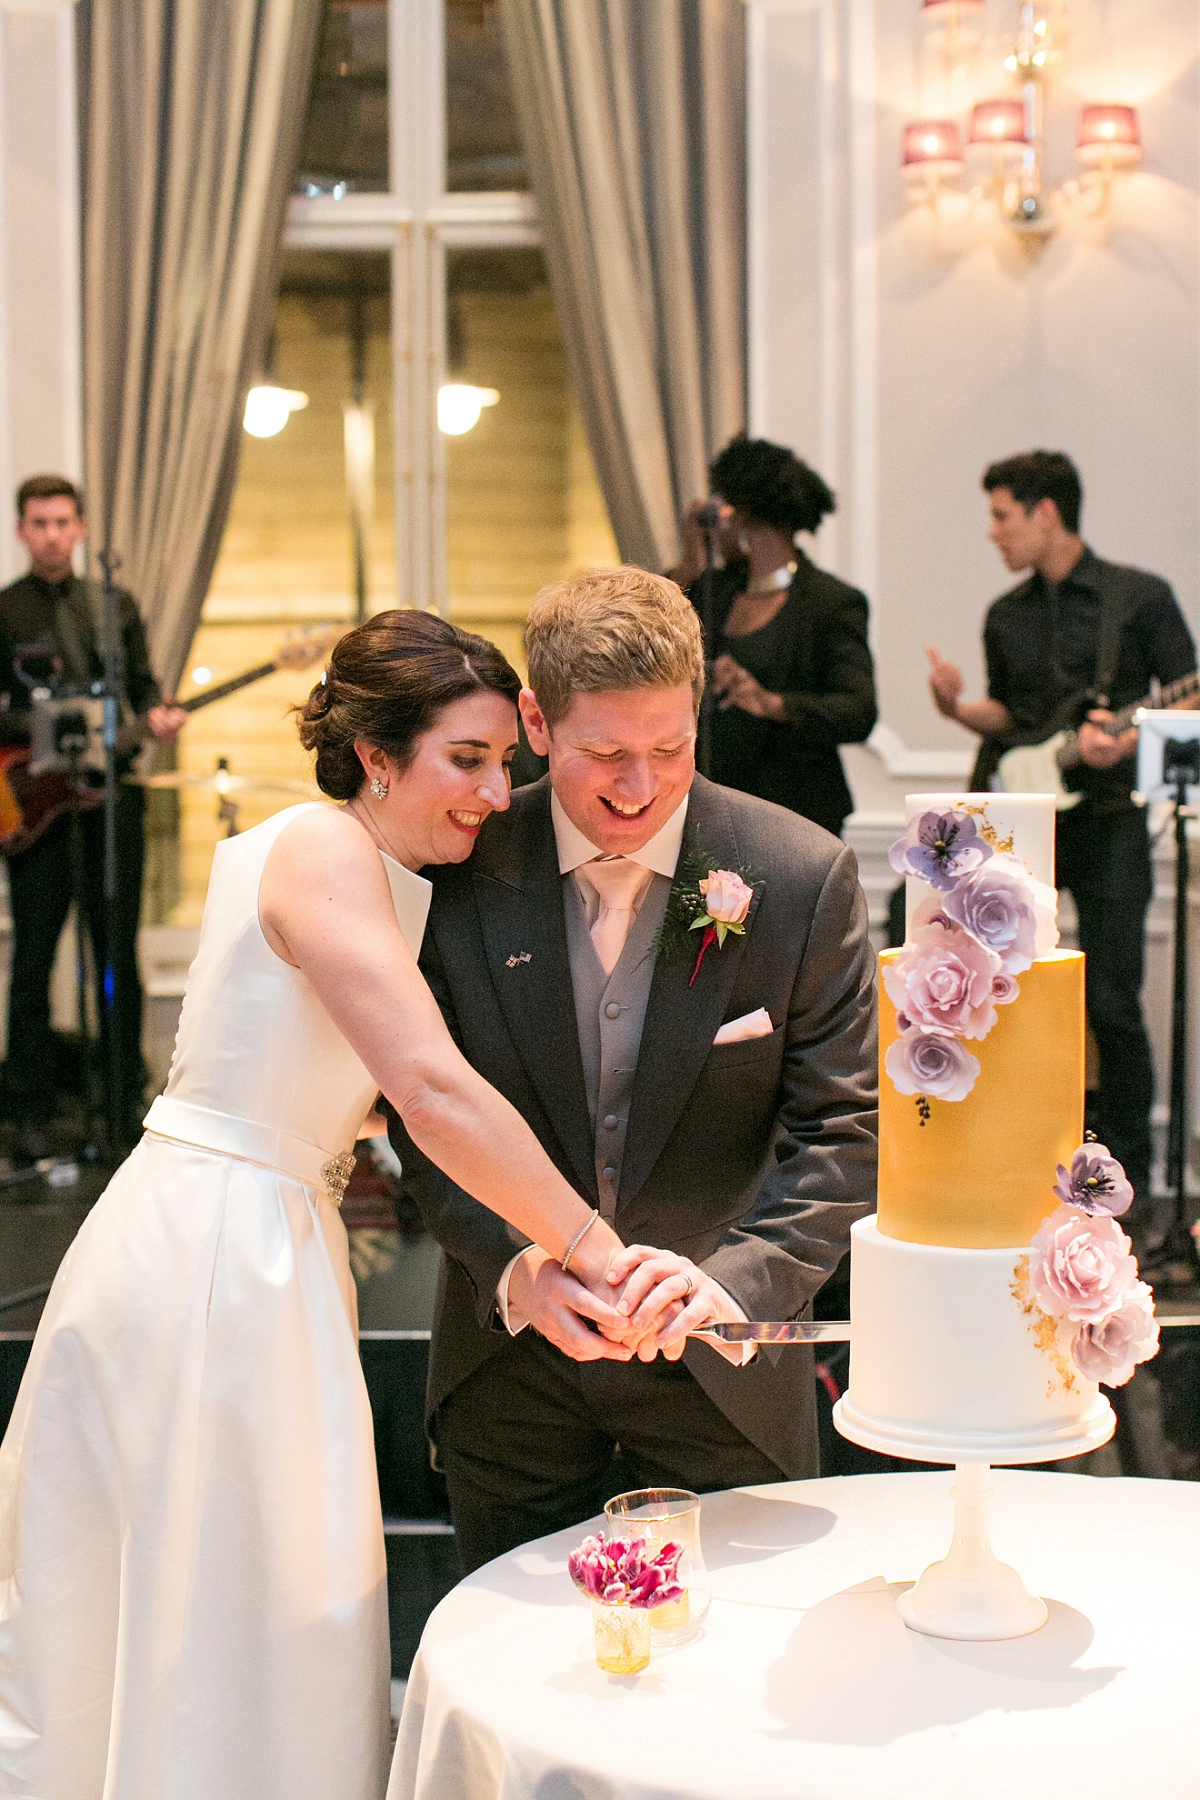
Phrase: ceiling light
[269,408]
[459,406]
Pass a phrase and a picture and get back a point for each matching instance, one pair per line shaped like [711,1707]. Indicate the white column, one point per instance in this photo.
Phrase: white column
[41,399]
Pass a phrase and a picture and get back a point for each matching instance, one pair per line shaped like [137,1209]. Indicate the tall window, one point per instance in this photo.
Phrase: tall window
[412,276]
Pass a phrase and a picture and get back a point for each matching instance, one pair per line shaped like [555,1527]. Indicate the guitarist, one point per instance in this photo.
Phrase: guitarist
[48,638]
[1076,641]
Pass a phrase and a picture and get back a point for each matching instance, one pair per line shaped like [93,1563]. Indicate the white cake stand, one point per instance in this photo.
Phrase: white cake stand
[970,1593]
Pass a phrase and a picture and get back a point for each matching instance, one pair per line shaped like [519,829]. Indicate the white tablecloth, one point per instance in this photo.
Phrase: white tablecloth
[807,1686]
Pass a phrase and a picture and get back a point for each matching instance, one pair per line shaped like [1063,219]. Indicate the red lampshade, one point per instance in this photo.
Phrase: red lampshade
[932,147]
[1110,135]
[998,122]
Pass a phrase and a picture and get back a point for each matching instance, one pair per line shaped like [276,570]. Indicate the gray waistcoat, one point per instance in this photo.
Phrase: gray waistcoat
[610,1011]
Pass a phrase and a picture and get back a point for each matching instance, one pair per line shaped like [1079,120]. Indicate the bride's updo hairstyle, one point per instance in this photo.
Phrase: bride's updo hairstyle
[387,681]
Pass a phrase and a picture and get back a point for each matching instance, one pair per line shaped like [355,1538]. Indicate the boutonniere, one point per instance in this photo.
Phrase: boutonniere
[713,902]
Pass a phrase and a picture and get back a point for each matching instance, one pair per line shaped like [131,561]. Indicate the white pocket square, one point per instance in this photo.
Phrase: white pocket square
[750,1025]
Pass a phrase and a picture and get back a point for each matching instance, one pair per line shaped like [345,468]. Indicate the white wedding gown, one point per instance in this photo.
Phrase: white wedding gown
[193,1591]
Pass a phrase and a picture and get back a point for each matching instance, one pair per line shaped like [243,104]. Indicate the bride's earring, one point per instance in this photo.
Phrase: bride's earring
[379,788]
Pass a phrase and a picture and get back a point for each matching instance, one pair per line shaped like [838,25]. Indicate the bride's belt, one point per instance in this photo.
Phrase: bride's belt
[249,1141]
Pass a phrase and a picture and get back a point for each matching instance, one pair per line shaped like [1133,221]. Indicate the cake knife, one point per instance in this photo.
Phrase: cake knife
[779,1331]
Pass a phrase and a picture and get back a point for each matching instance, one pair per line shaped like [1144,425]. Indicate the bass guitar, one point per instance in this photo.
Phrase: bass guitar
[1041,768]
[29,803]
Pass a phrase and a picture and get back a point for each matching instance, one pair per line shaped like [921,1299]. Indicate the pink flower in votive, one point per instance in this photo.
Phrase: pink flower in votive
[1081,1267]
[1109,1349]
[624,1572]
[1005,989]
[943,980]
[726,897]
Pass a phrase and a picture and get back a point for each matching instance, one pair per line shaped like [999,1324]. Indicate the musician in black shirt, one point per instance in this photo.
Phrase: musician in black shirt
[49,638]
[1043,643]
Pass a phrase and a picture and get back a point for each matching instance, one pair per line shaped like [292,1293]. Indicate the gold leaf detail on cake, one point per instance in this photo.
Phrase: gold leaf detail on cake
[987,831]
[1045,1330]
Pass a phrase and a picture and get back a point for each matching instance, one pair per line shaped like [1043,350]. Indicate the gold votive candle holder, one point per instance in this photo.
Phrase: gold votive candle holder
[622,1635]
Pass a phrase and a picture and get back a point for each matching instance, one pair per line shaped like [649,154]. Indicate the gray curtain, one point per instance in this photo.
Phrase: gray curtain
[193,115]
[633,114]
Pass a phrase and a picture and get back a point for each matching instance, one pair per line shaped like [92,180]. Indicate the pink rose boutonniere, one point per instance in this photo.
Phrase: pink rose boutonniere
[726,902]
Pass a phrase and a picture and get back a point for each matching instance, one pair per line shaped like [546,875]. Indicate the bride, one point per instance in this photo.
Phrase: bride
[192,1577]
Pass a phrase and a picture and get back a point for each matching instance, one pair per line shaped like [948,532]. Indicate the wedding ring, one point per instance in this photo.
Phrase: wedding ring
[689,1290]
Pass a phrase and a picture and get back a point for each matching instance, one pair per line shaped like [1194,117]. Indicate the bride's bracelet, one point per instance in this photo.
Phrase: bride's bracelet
[575,1242]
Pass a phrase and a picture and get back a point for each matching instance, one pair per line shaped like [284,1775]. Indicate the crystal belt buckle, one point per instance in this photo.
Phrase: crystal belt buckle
[336,1175]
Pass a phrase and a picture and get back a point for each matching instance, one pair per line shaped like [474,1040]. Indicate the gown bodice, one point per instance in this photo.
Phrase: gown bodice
[254,1040]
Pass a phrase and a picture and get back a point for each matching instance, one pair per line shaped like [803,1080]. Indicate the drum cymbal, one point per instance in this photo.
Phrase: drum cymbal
[222,782]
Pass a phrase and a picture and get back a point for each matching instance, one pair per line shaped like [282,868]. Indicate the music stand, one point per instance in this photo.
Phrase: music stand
[1169,769]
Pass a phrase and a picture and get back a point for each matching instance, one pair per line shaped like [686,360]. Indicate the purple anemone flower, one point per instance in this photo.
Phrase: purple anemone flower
[1095,1182]
[940,848]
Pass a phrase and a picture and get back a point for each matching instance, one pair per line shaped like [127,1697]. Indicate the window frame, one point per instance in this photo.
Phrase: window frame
[417,220]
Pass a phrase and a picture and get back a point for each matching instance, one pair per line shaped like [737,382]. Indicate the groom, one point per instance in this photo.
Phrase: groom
[720,1107]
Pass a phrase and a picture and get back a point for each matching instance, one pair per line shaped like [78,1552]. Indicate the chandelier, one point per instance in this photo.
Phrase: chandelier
[1000,139]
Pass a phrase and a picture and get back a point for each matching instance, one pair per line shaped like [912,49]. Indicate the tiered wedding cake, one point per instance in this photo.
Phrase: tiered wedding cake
[994,1289]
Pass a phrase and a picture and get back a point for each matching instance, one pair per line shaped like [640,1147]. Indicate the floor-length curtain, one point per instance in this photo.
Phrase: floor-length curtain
[193,114]
[633,117]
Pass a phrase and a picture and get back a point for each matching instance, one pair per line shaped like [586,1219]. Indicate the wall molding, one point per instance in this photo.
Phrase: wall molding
[904,762]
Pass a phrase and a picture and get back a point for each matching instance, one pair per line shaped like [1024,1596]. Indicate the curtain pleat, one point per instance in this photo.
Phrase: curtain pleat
[633,117]
[194,112]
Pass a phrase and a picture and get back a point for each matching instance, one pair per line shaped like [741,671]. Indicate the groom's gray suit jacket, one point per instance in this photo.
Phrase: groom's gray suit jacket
[752,1158]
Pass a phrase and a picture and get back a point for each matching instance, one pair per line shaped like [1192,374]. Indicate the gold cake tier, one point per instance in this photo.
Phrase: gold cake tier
[979,1172]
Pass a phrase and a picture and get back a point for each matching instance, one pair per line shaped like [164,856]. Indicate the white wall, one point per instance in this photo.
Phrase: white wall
[902,352]
[40,379]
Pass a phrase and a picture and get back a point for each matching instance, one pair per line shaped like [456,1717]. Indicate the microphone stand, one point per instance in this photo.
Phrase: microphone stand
[709,520]
[1181,769]
[112,1003]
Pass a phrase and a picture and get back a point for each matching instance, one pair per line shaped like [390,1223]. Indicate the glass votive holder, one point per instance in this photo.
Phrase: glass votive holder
[667,1516]
[622,1635]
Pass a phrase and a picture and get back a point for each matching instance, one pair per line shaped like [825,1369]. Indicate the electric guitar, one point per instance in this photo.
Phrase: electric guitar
[29,803]
[1040,768]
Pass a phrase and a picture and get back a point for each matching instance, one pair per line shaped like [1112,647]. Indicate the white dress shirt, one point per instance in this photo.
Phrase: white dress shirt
[659,856]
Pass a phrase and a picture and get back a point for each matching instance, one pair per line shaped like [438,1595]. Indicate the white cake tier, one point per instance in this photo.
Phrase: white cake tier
[945,1364]
[1026,819]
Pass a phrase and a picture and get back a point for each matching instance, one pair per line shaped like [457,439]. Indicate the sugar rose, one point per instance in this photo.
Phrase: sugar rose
[1001,906]
[1110,1349]
[943,980]
[1080,1267]
[933,1063]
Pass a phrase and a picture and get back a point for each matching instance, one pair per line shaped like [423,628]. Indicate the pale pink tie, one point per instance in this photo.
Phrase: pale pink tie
[618,882]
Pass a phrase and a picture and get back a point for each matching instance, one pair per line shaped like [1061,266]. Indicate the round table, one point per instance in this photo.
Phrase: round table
[806,1685]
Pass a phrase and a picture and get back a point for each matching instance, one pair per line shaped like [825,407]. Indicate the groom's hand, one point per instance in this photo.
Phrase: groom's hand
[665,1296]
[557,1305]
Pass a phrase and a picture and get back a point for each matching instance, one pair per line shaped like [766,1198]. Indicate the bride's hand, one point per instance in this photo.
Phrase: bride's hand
[665,1296]
[590,1266]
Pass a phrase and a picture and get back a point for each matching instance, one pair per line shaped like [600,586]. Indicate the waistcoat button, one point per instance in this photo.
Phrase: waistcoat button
[612,1010]
[611,1122]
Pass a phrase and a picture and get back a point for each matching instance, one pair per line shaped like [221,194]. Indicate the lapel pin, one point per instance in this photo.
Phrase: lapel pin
[524,957]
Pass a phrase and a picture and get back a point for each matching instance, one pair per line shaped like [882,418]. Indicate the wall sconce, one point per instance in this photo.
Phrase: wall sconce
[932,154]
[1109,138]
[1108,142]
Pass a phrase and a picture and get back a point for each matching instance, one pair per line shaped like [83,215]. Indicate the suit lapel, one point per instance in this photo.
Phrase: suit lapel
[682,1020]
[518,893]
